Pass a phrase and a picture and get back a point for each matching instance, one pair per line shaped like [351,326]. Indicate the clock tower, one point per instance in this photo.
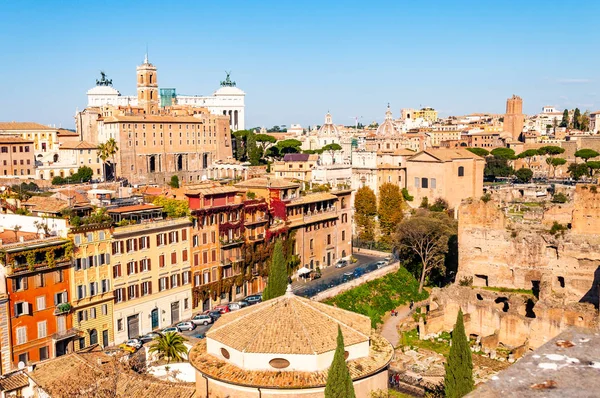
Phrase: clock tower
[147,87]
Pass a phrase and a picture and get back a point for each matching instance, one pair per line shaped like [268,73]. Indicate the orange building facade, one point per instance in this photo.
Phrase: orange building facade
[37,283]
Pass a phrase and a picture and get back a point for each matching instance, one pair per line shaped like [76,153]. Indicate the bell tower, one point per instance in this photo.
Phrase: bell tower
[147,87]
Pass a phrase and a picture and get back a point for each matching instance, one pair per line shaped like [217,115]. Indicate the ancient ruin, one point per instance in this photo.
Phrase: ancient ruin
[528,269]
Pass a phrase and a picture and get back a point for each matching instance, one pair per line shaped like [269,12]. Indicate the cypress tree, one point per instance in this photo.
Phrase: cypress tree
[339,383]
[576,119]
[565,119]
[278,277]
[458,381]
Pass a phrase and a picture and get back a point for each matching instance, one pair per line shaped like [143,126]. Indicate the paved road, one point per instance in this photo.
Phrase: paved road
[330,274]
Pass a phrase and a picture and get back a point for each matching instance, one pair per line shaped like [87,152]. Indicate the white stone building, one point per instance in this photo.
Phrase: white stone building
[227,100]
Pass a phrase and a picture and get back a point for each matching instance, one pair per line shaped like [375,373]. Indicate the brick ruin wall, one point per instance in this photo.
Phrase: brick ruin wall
[498,250]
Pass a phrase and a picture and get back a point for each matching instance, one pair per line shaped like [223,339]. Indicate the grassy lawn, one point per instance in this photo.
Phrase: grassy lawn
[397,394]
[411,339]
[508,290]
[379,296]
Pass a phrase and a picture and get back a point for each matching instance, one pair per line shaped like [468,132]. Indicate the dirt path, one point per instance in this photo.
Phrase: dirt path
[389,330]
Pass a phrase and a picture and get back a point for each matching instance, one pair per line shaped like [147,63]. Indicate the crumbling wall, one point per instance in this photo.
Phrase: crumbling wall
[586,214]
[497,251]
[517,319]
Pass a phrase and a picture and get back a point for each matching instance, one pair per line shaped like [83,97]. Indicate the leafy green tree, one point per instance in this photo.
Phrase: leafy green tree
[504,153]
[458,380]
[170,346]
[389,210]
[565,119]
[584,121]
[365,210]
[253,151]
[241,140]
[107,150]
[172,207]
[174,183]
[592,166]
[425,236]
[479,151]
[528,155]
[559,198]
[577,170]
[439,205]
[586,154]
[332,148]
[339,382]
[278,276]
[263,141]
[524,175]
[554,163]
[496,167]
[551,150]
[577,119]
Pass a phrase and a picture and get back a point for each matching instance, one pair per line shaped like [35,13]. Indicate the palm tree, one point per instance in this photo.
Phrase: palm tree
[103,155]
[169,346]
[108,150]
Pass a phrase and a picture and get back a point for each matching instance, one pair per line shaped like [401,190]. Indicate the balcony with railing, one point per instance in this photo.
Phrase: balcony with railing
[320,214]
[255,219]
[63,308]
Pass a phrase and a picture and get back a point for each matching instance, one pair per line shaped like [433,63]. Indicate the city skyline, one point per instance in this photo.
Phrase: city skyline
[351,61]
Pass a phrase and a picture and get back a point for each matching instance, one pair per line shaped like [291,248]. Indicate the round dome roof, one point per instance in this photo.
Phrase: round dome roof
[328,128]
[103,90]
[289,325]
[228,90]
[388,127]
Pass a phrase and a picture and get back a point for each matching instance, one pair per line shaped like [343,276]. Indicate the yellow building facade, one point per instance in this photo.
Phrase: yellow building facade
[91,290]
[151,272]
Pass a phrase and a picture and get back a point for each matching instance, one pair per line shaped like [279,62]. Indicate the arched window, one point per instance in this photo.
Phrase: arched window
[150,78]
[141,79]
[151,94]
[461,171]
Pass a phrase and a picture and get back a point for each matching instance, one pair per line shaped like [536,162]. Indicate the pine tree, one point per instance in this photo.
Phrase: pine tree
[339,382]
[565,119]
[278,277]
[458,381]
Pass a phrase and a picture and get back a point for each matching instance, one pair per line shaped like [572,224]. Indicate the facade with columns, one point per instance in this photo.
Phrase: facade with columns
[226,101]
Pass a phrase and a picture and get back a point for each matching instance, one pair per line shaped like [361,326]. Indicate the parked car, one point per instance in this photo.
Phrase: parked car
[148,337]
[316,275]
[213,314]
[186,325]
[381,264]
[254,299]
[171,329]
[359,272]
[202,319]
[341,264]
[131,345]
[347,276]
[223,309]
[237,305]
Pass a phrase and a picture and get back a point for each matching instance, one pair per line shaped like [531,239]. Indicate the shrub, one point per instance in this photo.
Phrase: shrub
[486,197]
[250,195]
[379,296]
[559,198]
[58,180]
[466,281]
[557,228]
[439,205]
[174,183]
[593,189]
[406,195]
[424,203]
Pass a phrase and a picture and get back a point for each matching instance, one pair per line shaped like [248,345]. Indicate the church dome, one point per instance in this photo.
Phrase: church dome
[328,128]
[388,127]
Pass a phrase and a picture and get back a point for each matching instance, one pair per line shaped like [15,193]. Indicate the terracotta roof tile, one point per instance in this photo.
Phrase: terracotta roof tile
[264,182]
[24,126]
[13,381]
[46,205]
[447,155]
[312,198]
[380,355]
[289,325]
[13,139]
[78,145]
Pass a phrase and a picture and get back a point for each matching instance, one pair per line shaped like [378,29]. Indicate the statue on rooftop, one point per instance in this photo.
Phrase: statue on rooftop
[227,82]
[103,80]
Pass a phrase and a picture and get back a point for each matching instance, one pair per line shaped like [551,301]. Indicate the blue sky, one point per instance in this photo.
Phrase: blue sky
[296,60]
